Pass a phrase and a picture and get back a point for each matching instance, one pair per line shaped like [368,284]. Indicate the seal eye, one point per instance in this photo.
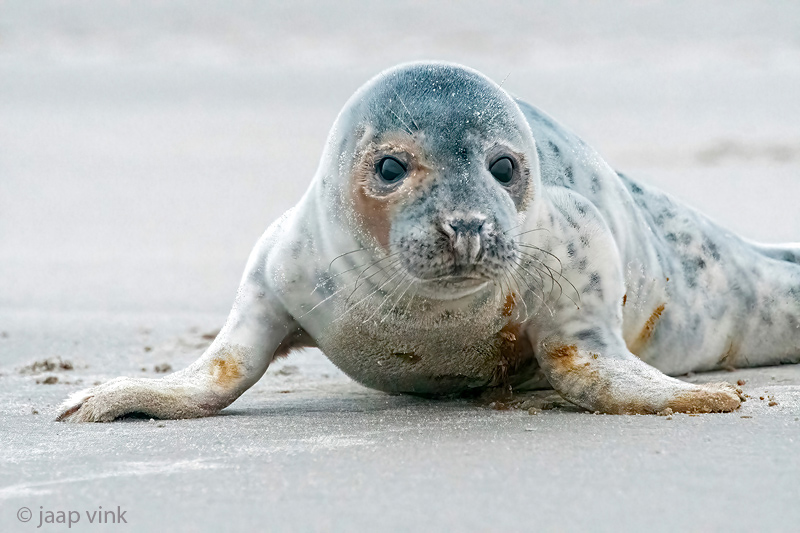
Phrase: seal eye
[502,170]
[391,170]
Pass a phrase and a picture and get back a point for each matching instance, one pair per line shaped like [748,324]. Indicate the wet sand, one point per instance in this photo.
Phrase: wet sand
[143,153]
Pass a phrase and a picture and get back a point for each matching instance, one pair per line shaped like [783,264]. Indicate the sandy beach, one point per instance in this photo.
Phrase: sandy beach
[145,147]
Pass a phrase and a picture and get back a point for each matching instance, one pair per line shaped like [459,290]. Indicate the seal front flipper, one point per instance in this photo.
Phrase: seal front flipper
[613,380]
[258,328]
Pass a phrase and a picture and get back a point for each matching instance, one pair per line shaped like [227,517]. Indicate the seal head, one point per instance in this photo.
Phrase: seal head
[442,166]
[431,168]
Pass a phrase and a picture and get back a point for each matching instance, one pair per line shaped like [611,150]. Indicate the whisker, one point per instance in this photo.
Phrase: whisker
[368,296]
[560,264]
[515,227]
[414,122]
[403,122]
[521,264]
[541,285]
[413,295]
[561,268]
[344,254]
[374,263]
[511,290]
[504,79]
[522,296]
[386,297]
[397,301]
[531,231]
[552,278]
[358,286]
[323,301]
[330,278]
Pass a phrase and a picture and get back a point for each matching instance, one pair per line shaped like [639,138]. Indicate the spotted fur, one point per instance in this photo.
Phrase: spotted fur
[568,275]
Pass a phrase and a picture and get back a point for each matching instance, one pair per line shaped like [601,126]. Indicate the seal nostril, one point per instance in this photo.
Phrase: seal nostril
[464,234]
[472,225]
[448,230]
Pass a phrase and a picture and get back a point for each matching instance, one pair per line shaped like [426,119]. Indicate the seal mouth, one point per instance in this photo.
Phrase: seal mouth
[451,287]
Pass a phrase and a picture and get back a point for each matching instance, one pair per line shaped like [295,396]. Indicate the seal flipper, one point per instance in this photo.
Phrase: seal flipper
[615,381]
[257,330]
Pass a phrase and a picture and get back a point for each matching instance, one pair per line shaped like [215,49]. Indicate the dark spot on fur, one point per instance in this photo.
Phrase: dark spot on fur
[593,337]
[691,269]
[594,284]
[711,249]
[571,250]
[681,238]
[596,187]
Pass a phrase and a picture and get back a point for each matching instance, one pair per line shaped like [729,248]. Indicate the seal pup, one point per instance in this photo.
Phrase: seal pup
[455,238]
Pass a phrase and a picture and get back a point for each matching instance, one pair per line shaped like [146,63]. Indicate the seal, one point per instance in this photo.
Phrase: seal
[455,238]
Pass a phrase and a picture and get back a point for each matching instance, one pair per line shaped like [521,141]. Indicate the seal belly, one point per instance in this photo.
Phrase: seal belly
[449,357]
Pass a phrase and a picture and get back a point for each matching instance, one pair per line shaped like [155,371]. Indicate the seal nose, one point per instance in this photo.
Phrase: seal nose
[464,233]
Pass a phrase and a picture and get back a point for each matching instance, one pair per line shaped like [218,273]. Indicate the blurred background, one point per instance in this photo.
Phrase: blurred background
[144,146]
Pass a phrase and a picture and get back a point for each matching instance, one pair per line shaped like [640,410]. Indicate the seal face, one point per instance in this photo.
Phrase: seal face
[456,238]
[442,210]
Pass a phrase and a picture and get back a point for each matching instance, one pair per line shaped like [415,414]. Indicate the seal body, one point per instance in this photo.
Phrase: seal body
[455,238]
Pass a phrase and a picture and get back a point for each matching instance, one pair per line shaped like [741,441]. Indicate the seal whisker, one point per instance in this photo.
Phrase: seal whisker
[346,253]
[410,284]
[533,262]
[560,264]
[377,261]
[331,278]
[544,300]
[403,122]
[413,295]
[322,301]
[414,122]
[388,296]
[340,289]
[529,231]
[374,263]
[541,284]
[380,270]
[369,296]
[511,290]
[498,285]
[552,275]
[550,270]
[513,228]
[521,292]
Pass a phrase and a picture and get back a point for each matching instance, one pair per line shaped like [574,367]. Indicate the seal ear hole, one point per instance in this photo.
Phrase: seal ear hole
[503,170]
[391,170]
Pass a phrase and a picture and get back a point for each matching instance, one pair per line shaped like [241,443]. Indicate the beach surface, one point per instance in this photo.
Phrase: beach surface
[144,148]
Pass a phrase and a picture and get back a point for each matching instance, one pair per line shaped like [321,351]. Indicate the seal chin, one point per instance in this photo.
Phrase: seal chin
[451,287]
